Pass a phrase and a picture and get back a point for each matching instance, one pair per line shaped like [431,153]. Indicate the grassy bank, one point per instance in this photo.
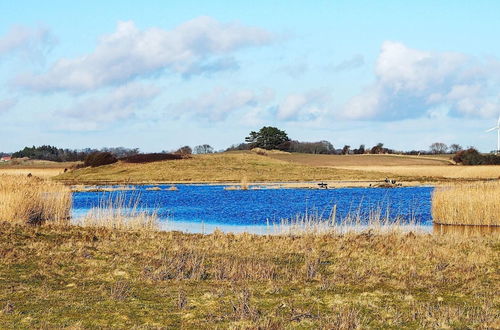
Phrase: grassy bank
[227,167]
[467,204]
[53,276]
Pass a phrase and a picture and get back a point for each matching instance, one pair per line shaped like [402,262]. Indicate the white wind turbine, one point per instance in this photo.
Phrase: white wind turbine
[497,128]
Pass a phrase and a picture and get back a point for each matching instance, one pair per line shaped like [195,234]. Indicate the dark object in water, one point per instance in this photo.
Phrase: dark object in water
[323,185]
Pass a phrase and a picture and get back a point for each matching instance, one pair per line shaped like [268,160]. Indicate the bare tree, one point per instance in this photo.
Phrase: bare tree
[454,148]
[203,149]
[186,150]
[438,148]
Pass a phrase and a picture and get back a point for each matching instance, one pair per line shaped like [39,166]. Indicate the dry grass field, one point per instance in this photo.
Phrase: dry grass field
[38,168]
[436,172]
[38,172]
[414,167]
[75,277]
[226,167]
[283,167]
[361,160]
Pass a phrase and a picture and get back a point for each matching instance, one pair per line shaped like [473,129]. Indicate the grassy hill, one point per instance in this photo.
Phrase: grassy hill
[226,167]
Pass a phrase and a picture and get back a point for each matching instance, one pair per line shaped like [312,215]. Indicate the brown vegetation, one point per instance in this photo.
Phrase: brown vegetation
[154,157]
[227,167]
[33,200]
[467,204]
[362,160]
[102,278]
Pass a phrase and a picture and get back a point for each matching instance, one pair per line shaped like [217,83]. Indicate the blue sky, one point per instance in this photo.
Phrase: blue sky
[161,74]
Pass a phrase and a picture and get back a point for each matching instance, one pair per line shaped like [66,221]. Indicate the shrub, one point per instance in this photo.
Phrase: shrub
[96,159]
[472,157]
[186,150]
[153,157]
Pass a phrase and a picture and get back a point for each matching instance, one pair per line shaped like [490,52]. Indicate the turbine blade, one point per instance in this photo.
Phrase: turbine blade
[492,129]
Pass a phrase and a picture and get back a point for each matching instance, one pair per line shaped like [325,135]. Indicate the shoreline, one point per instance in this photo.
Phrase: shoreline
[332,184]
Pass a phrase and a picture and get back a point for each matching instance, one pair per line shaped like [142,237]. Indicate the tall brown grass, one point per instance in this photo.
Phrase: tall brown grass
[467,204]
[376,219]
[33,200]
[116,211]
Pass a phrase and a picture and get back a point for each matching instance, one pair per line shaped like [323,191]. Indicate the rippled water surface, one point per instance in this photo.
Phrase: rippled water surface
[213,205]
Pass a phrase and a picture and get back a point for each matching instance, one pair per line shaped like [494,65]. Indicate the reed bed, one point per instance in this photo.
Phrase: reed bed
[467,204]
[377,219]
[33,200]
[116,211]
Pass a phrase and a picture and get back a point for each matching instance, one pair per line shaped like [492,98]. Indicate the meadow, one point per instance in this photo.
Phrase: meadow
[226,167]
[100,277]
[428,167]
[114,268]
[38,168]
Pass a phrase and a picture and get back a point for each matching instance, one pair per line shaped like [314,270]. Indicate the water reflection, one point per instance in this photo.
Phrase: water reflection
[467,231]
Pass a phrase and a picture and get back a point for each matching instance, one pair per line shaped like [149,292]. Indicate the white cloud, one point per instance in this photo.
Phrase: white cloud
[303,106]
[95,112]
[7,104]
[129,52]
[30,43]
[219,103]
[410,83]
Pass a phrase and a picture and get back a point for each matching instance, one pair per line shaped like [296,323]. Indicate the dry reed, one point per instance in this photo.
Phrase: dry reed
[467,204]
[33,200]
[376,219]
[116,211]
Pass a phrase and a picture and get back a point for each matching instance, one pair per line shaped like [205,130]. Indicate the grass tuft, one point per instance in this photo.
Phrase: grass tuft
[33,200]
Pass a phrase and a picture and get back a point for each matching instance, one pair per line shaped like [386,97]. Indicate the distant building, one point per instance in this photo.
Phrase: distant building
[5,159]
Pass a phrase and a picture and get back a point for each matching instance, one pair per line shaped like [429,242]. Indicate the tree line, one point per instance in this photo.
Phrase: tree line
[266,138]
[47,152]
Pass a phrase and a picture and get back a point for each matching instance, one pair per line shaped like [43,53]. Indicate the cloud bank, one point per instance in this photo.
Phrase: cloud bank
[196,46]
[411,83]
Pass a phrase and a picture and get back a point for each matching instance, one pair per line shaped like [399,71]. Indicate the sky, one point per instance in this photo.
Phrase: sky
[158,75]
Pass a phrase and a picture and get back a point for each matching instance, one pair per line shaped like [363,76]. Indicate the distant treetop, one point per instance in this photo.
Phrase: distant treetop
[267,138]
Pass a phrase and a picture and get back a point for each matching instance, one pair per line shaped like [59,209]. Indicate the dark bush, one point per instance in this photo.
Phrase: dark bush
[186,150]
[472,157]
[96,159]
[492,159]
[149,158]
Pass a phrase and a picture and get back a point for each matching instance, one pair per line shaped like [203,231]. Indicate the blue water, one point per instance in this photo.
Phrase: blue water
[212,205]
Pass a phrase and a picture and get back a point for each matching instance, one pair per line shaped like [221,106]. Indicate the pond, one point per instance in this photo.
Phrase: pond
[202,208]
